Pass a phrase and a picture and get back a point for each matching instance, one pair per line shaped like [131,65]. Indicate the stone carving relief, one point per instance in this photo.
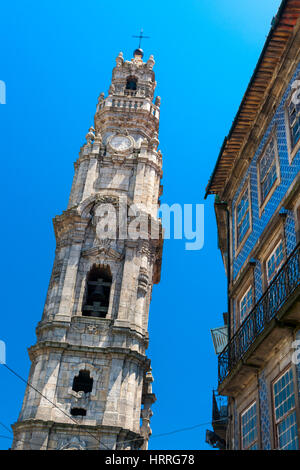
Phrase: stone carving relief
[79,399]
[73,443]
[57,268]
[143,281]
[90,137]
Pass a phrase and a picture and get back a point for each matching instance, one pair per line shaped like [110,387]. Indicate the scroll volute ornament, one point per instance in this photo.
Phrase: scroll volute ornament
[143,281]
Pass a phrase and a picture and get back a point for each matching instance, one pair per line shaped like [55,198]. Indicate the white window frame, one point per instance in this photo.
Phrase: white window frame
[292,149]
[276,183]
[240,304]
[239,245]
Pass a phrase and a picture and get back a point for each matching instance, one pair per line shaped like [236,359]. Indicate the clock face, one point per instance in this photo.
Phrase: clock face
[120,142]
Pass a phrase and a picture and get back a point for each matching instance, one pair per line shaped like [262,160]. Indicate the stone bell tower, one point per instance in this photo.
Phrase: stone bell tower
[89,362]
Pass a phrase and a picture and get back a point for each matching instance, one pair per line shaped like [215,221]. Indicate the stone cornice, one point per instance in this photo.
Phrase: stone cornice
[20,426]
[107,159]
[113,117]
[44,347]
[100,324]
[69,227]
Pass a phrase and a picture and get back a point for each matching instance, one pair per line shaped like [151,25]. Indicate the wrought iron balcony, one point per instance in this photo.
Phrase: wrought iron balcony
[219,421]
[220,409]
[276,296]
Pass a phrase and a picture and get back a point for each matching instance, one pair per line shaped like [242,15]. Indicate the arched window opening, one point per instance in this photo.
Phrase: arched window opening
[97,292]
[78,412]
[83,382]
[131,83]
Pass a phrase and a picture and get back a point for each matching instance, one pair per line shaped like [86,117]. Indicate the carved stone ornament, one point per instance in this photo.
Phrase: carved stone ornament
[101,97]
[111,89]
[157,101]
[73,443]
[103,243]
[90,137]
[93,329]
[101,253]
[143,281]
[79,399]
[120,59]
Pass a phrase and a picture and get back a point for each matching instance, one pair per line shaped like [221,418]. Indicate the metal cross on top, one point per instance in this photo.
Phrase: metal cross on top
[140,37]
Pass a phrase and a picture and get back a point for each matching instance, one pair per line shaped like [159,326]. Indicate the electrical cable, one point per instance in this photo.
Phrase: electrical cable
[190,428]
[62,411]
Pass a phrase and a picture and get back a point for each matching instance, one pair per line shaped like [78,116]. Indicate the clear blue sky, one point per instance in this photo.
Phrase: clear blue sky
[56,57]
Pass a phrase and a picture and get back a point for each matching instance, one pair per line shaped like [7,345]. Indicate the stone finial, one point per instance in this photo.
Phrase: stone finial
[111,89]
[98,138]
[90,137]
[101,97]
[157,101]
[150,62]
[120,59]
[154,141]
[144,143]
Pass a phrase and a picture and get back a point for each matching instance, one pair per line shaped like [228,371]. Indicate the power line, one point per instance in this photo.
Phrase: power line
[6,427]
[46,398]
[190,428]
[6,437]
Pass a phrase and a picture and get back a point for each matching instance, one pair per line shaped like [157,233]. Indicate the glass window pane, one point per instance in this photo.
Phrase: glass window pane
[246,304]
[267,169]
[275,261]
[243,216]
[284,403]
[249,427]
[294,118]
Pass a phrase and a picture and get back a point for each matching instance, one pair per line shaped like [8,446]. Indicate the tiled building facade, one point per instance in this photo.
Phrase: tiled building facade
[257,186]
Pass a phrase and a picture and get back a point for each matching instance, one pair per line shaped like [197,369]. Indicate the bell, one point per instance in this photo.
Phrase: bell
[98,294]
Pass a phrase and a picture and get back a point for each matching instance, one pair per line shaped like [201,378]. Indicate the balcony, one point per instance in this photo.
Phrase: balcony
[217,437]
[275,313]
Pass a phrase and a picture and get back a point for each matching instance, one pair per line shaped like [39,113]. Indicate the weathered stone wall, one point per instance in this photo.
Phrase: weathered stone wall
[112,349]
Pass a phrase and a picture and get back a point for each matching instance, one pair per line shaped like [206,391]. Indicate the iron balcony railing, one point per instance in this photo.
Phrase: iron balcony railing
[278,292]
[220,408]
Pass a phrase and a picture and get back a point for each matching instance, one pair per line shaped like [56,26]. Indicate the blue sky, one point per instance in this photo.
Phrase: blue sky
[56,57]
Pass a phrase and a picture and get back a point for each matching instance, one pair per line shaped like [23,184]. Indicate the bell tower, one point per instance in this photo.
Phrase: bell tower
[91,381]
